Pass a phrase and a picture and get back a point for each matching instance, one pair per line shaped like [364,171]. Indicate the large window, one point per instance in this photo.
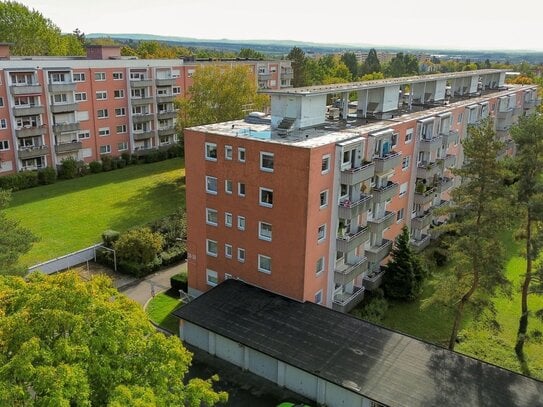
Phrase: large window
[211,217]
[266,197]
[211,185]
[118,93]
[212,277]
[264,264]
[4,145]
[100,76]
[79,77]
[117,76]
[212,248]
[120,111]
[265,231]
[266,161]
[211,151]
[105,149]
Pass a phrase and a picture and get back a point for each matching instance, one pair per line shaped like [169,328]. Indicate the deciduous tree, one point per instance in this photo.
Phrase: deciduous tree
[139,245]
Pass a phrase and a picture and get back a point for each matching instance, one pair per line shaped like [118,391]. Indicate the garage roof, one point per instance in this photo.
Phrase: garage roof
[380,364]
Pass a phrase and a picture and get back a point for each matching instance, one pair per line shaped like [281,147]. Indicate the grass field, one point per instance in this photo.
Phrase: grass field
[434,323]
[71,215]
[159,310]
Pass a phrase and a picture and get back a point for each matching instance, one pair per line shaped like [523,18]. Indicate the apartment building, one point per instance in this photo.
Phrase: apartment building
[84,107]
[307,202]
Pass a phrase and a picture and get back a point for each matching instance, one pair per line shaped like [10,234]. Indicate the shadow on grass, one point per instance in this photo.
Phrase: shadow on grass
[61,187]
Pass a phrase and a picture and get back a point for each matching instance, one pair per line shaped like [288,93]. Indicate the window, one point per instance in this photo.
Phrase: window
[241,189]
[241,154]
[318,297]
[105,149]
[321,233]
[59,98]
[405,163]
[228,219]
[4,145]
[265,231]
[103,131]
[460,117]
[118,93]
[100,76]
[3,124]
[325,166]
[394,140]
[319,268]
[83,135]
[117,76]
[323,199]
[101,95]
[122,146]
[403,189]
[211,248]
[228,250]
[228,152]
[228,186]
[211,151]
[1,102]
[241,255]
[264,264]
[211,185]
[408,136]
[121,128]
[266,162]
[120,111]
[176,90]
[399,215]
[80,96]
[79,77]
[102,113]
[212,277]
[212,217]
[241,222]
[266,197]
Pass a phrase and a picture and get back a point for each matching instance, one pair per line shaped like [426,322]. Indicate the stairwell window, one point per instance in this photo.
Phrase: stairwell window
[318,297]
[241,222]
[323,199]
[228,251]
[266,197]
[321,233]
[241,188]
[319,266]
[211,151]
[325,166]
[228,186]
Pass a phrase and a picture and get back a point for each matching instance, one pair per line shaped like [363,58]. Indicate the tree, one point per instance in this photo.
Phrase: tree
[14,240]
[298,58]
[250,53]
[64,341]
[528,170]
[219,94]
[475,248]
[30,33]
[404,273]
[371,63]
[403,65]
[139,245]
[350,61]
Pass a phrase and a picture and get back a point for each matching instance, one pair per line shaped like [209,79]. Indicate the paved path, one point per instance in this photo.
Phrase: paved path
[142,290]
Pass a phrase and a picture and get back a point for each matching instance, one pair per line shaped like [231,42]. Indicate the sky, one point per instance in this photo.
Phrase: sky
[458,24]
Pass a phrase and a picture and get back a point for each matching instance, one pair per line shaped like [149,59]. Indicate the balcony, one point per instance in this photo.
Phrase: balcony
[427,170]
[138,101]
[141,83]
[420,222]
[351,241]
[30,131]
[354,176]
[444,184]
[144,135]
[142,117]
[529,104]
[64,108]
[28,110]
[449,138]
[165,98]
[380,251]
[505,115]
[378,225]
[26,89]
[448,162]
[61,87]
[387,163]
[166,114]
[66,127]
[166,131]
[432,144]
[349,210]
[374,279]
[423,195]
[385,193]
[420,244]
[345,302]
[32,152]
[68,147]
[165,81]
[347,272]
[287,74]
[264,76]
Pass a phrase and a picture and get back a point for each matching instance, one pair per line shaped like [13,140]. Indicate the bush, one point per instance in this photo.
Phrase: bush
[151,157]
[68,168]
[47,175]
[126,157]
[107,163]
[138,269]
[174,254]
[139,245]
[119,163]
[20,180]
[179,282]
[374,308]
[162,155]
[109,237]
[176,150]
[95,167]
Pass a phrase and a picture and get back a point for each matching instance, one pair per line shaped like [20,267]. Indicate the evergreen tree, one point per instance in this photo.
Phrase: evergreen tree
[371,63]
[404,273]
[349,59]
[298,58]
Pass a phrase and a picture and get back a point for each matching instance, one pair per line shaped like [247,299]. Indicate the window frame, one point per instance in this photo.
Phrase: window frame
[241,189]
[259,264]
[209,246]
[261,190]
[262,236]
[325,158]
[209,221]
[241,254]
[99,76]
[228,219]
[263,155]
[242,222]
[212,277]
[228,186]
[208,149]
[322,260]
[242,154]
[228,152]
[325,204]
[208,179]
[323,238]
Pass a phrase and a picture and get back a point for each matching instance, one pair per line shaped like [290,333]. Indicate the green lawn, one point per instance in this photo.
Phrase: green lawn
[434,323]
[71,215]
[159,310]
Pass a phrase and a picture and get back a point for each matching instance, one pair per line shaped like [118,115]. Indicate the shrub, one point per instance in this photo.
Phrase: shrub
[107,163]
[138,269]
[140,245]
[47,175]
[119,163]
[95,167]
[162,155]
[172,227]
[179,282]
[109,237]
[126,157]
[174,254]
[20,180]
[374,308]
[68,168]
[176,150]
[151,157]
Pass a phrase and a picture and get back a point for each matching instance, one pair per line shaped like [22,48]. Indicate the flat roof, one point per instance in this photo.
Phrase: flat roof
[377,363]
[379,83]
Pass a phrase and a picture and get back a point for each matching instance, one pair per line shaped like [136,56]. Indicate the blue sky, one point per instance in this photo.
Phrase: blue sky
[462,24]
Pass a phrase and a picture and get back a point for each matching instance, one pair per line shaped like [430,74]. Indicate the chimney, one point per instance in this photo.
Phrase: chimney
[103,51]
[4,50]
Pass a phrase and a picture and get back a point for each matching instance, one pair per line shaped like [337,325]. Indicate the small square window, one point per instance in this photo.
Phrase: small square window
[241,188]
[241,154]
[228,219]
[212,248]
[118,94]
[228,152]
[266,162]
[323,199]
[266,197]
[104,131]
[102,113]
[265,231]
[321,233]
[241,255]
[211,185]
[211,151]
[117,76]
[228,250]
[241,222]
[211,217]
[101,95]
[264,264]
[228,186]
[212,278]
[100,76]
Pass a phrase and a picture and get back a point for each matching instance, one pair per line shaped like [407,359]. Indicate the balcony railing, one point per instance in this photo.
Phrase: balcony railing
[424,195]
[165,98]
[347,272]
[431,144]
[448,161]
[64,107]
[66,127]
[380,251]
[422,221]
[353,176]
[444,184]
[142,117]
[30,131]
[386,192]
[451,137]
[141,83]
[143,135]
[26,89]
[165,81]
[61,87]
[374,279]
[138,101]
[349,209]
[387,163]
[166,131]
[32,152]
[28,110]
[345,302]
[420,244]
[378,225]
[68,147]
[166,114]
[351,241]
[264,76]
